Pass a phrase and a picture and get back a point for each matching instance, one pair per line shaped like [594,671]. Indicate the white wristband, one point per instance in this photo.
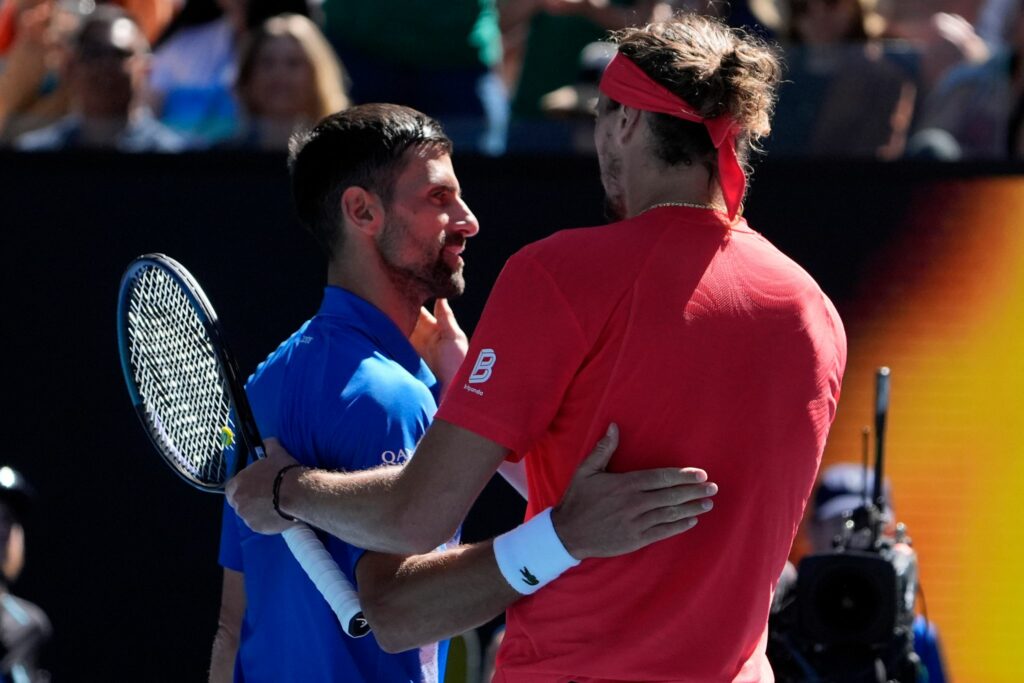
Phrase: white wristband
[531,555]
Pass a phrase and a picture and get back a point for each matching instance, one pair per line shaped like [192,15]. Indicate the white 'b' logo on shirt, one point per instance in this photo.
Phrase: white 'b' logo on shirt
[482,369]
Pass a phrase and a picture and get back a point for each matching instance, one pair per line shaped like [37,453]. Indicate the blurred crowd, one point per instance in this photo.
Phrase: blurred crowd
[873,79]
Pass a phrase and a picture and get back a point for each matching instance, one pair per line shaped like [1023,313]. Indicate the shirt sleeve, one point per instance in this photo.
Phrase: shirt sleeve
[378,422]
[524,353]
[161,75]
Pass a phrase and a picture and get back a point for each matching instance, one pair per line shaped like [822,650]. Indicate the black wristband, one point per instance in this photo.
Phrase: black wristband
[277,490]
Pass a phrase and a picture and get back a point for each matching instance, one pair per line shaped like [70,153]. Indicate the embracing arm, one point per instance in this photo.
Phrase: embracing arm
[392,510]
[416,600]
[403,511]
[412,601]
[418,507]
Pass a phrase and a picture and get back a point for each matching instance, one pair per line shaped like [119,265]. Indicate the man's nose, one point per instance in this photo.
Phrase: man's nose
[465,222]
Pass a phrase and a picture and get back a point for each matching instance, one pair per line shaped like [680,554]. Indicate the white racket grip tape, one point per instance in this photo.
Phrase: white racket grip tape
[327,577]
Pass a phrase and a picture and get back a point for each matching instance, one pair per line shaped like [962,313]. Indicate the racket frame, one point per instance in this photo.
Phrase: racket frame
[248,433]
[301,540]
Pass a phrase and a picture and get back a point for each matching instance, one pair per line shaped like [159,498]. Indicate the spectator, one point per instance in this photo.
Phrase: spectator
[195,65]
[438,57]
[940,38]
[105,74]
[24,627]
[31,94]
[288,78]
[194,69]
[558,30]
[555,59]
[975,110]
[993,18]
[842,97]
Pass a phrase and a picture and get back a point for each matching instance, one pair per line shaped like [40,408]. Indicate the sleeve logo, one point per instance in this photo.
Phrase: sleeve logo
[528,578]
[483,367]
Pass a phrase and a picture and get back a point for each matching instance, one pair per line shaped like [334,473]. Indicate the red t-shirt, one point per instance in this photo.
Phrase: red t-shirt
[709,348]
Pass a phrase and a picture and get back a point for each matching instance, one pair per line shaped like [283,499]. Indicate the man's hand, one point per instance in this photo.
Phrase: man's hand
[604,514]
[250,492]
[440,341]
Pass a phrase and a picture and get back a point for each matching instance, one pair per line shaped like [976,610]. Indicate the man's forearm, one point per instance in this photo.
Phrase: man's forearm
[229,626]
[222,659]
[400,510]
[425,598]
[362,508]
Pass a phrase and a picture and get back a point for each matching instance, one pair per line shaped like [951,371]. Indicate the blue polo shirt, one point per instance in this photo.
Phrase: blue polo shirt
[347,391]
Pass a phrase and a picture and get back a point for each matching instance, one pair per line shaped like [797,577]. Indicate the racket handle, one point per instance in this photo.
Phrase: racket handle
[332,584]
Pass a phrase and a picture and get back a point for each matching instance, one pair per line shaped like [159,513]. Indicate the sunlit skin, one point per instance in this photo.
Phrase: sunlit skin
[425,229]
[608,161]
[634,178]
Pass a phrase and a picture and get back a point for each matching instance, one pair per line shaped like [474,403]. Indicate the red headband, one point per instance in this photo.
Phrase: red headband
[626,83]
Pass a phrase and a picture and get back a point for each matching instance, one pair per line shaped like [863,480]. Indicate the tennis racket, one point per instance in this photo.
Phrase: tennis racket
[186,390]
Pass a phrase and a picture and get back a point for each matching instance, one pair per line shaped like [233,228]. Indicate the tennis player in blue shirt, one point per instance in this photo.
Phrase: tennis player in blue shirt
[355,388]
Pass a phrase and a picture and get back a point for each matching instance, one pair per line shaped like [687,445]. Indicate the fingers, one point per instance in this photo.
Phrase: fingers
[602,453]
[445,318]
[664,477]
[443,312]
[666,522]
[677,495]
[663,531]
[426,317]
[675,513]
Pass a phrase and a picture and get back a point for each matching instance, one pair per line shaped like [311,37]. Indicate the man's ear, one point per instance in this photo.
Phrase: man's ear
[362,209]
[629,122]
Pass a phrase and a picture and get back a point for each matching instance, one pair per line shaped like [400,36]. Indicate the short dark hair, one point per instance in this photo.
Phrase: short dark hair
[95,33]
[716,70]
[363,147]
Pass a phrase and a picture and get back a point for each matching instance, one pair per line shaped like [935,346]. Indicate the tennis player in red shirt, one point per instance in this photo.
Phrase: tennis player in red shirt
[705,344]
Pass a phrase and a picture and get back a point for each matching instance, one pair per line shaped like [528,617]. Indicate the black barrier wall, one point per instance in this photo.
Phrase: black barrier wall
[121,554]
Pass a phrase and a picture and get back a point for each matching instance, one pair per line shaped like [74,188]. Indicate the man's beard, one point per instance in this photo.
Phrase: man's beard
[429,276]
[614,206]
[614,211]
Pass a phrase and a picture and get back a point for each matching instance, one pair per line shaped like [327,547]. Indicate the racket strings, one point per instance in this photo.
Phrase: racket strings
[176,372]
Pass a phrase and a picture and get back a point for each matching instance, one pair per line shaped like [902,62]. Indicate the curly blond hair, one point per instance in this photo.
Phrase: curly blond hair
[713,68]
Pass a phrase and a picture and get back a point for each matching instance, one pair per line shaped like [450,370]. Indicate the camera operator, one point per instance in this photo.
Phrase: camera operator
[24,627]
[838,510]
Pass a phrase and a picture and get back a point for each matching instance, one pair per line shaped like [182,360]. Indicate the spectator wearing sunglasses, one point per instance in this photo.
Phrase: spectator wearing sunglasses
[105,74]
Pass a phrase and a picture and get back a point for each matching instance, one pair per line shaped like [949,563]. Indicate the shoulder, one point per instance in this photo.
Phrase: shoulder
[378,383]
[193,55]
[149,135]
[29,621]
[52,137]
[761,255]
[184,41]
[332,360]
[577,252]
[782,288]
